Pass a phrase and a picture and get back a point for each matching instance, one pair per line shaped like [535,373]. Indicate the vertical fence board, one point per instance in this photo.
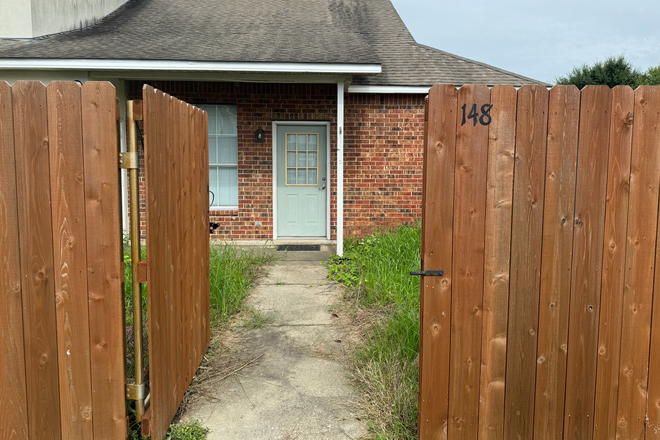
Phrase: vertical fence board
[33,194]
[437,230]
[104,256]
[202,145]
[13,404]
[186,228]
[501,151]
[70,257]
[177,290]
[614,254]
[650,125]
[640,260]
[561,159]
[588,232]
[193,120]
[527,222]
[468,262]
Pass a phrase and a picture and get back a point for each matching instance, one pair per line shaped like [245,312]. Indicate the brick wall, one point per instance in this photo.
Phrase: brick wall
[382,143]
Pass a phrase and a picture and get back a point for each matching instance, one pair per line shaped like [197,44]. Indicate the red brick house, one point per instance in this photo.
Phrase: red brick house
[315,106]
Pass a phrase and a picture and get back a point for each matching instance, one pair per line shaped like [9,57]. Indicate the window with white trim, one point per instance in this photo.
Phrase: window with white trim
[223,156]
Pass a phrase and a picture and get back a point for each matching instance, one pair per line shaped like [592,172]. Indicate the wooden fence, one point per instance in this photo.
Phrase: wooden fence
[61,312]
[542,209]
[177,179]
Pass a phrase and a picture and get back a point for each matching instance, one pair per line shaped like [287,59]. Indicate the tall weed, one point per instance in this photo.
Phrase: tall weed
[377,269]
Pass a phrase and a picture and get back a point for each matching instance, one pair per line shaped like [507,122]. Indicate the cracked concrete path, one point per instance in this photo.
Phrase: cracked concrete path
[298,388]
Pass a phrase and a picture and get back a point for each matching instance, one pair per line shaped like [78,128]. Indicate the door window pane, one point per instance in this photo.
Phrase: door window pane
[302,142]
[302,176]
[291,176]
[311,145]
[312,177]
[290,141]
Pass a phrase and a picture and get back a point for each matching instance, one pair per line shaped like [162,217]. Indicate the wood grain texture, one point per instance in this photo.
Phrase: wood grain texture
[526,240]
[499,201]
[437,231]
[561,160]
[13,404]
[649,122]
[471,170]
[176,160]
[104,259]
[640,262]
[70,257]
[614,255]
[36,238]
[588,232]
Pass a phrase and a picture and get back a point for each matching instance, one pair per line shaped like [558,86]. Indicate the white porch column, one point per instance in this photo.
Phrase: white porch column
[340,168]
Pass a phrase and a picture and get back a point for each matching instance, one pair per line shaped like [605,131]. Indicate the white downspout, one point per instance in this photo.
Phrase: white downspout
[340,168]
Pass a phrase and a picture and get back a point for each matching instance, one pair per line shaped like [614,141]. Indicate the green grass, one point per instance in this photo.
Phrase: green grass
[377,269]
[232,273]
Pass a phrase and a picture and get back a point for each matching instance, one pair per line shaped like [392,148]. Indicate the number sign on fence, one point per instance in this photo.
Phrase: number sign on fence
[541,207]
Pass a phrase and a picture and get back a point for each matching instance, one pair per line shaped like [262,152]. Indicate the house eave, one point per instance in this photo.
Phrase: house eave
[389,89]
[185,66]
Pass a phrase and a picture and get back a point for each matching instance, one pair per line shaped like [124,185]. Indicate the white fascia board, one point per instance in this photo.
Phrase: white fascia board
[388,89]
[184,66]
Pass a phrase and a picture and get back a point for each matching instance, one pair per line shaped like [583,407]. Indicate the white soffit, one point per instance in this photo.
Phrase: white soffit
[388,89]
[185,66]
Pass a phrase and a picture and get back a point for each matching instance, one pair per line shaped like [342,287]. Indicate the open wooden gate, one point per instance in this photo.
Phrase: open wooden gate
[177,226]
[541,208]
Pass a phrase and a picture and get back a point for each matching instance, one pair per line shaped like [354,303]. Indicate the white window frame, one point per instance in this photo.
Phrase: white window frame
[225,166]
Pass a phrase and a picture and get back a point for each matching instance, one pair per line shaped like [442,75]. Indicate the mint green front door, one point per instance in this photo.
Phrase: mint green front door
[302,181]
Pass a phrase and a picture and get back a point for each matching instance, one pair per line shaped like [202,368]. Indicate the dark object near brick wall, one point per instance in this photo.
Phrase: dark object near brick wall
[299,247]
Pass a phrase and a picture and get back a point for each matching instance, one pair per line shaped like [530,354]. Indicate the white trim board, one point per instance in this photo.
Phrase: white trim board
[326,124]
[388,89]
[185,66]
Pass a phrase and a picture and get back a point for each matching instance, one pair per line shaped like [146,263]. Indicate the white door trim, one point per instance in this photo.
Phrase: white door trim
[328,172]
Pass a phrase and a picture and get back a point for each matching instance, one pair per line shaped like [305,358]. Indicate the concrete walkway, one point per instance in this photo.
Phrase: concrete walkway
[299,388]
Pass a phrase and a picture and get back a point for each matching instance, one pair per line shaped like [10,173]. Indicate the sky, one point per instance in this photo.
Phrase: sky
[540,40]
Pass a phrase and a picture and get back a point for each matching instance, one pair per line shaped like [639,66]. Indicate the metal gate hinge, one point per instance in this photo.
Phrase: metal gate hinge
[134,391]
[429,273]
[128,160]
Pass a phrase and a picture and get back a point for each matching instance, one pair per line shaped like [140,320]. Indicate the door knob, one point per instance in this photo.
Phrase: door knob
[322,188]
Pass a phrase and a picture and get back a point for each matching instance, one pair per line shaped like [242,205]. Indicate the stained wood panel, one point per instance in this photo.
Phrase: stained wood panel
[13,404]
[576,319]
[61,303]
[591,191]
[499,201]
[649,132]
[561,161]
[178,285]
[526,241]
[104,256]
[470,174]
[640,264]
[614,254]
[437,232]
[70,257]
[36,242]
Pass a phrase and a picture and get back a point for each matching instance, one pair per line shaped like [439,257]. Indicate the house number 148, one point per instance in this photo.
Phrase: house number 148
[484,118]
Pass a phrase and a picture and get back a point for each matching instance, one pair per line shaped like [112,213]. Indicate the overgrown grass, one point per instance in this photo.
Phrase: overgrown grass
[233,271]
[377,269]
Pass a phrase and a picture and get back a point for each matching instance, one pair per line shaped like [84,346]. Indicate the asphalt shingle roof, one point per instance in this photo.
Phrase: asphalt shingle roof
[285,31]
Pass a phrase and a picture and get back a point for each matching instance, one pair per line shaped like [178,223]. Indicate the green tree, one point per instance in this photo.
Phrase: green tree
[612,72]
[649,78]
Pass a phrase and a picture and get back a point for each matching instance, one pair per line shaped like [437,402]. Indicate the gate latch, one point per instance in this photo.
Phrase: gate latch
[429,273]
